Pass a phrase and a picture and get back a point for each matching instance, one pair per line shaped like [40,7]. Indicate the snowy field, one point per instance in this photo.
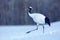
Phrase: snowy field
[19,32]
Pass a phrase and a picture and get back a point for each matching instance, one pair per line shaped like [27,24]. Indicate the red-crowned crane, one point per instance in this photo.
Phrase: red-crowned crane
[38,18]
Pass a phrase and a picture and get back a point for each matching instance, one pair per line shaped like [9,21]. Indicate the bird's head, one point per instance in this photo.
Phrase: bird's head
[30,8]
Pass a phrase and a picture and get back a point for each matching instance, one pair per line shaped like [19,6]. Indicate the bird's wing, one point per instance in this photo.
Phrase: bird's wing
[37,15]
[38,18]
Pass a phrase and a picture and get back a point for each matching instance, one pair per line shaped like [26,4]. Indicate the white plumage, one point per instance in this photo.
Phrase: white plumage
[38,19]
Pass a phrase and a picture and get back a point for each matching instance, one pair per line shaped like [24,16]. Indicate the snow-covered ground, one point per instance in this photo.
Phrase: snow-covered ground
[19,32]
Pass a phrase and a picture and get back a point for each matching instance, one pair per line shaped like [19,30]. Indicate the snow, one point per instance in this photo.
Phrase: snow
[19,32]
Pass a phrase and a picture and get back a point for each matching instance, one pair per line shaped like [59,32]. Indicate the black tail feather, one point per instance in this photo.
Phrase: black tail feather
[47,21]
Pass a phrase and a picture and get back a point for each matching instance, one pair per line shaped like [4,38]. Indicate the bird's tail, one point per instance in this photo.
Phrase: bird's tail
[47,21]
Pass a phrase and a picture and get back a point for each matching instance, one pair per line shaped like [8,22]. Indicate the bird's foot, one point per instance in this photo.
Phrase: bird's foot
[28,32]
[36,29]
[32,30]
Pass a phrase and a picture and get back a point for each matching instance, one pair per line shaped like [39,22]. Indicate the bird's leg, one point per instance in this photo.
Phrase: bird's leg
[37,26]
[33,29]
[43,28]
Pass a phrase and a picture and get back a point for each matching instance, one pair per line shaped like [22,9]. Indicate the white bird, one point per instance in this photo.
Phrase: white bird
[38,18]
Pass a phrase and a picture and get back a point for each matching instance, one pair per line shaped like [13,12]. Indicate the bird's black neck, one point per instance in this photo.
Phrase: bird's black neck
[30,10]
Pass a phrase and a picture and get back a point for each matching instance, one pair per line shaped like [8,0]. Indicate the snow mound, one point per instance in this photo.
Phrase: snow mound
[19,32]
